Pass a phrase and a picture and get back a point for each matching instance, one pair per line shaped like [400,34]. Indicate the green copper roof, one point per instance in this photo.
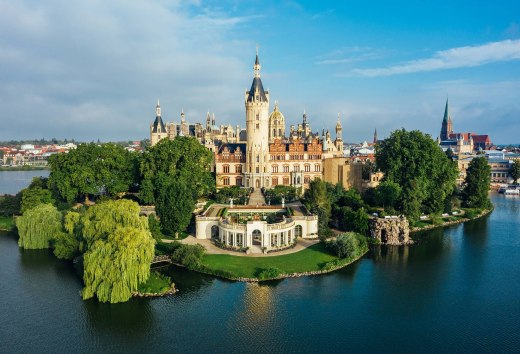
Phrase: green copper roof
[446,112]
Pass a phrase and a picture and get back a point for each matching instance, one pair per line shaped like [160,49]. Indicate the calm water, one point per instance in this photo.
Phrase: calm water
[457,290]
[11,182]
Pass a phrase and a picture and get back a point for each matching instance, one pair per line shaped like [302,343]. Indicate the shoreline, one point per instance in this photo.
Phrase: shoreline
[281,276]
[449,223]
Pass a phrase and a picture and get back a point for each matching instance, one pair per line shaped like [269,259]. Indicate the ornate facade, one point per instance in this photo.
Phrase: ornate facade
[262,155]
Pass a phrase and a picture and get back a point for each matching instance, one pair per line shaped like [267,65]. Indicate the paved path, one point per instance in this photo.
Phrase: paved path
[212,249]
[256,198]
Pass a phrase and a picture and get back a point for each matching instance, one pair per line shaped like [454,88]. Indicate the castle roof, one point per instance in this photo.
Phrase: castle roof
[158,123]
[257,86]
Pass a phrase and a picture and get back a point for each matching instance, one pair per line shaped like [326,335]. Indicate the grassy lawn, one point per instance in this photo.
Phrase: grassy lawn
[309,259]
[156,283]
[6,223]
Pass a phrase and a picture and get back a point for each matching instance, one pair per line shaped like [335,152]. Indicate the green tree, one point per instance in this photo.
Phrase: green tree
[476,184]
[316,199]
[114,267]
[66,244]
[174,205]
[10,204]
[388,194]
[92,169]
[183,159]
[38,226]
[418,165]
[101,220]
[32,197]
[514,171]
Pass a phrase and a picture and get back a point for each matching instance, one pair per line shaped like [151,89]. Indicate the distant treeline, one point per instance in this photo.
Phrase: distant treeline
[55,141]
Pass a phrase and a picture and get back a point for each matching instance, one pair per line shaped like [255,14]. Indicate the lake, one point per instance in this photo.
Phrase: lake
[11,182]
[456,290]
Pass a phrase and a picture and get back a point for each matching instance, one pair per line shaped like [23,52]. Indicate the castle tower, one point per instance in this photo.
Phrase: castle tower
[276,124]
[339,136]
[447,125]
[157,128]
[257,127]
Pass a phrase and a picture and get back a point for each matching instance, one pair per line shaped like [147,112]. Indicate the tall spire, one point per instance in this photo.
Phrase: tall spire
[375,136]
[158,109]
[257,65]
[446,111]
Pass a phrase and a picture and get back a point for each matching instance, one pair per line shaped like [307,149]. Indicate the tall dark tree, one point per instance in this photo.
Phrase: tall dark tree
[418,165]
[476,184]
[174,204]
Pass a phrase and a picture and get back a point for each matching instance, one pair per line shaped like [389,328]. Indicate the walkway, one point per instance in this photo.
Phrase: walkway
[256,198]
[212,249]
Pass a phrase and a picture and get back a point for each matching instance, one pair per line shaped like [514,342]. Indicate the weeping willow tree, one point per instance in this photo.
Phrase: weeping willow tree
[101,220]
[114,267]
[38,226]
[66,244]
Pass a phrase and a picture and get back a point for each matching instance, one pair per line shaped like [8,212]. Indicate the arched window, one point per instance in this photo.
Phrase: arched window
[239,181]
[238,168]
[306,179]
[298,231]
[286,168]
[317,168]
[307,168]
[274,168]
[286,181]
[274,181]
[296,168]
[225,168]
[226,181]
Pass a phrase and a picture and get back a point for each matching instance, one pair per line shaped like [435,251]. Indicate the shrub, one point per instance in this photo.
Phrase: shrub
[189,256]
[269,273]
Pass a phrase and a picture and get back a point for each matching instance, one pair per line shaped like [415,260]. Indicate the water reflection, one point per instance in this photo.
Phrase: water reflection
[187,281]
[131,321]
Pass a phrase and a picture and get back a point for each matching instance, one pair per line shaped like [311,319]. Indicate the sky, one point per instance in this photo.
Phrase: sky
[93,70]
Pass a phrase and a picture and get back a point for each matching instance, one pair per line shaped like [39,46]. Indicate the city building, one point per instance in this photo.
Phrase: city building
[460,143]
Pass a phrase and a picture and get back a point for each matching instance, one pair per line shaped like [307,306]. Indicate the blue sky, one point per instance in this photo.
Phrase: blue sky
[89,70]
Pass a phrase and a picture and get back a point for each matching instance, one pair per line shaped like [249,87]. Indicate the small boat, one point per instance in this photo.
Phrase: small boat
[512,190]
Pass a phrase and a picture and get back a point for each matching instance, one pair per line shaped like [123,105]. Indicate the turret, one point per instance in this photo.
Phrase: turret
[157,128]
[257,126]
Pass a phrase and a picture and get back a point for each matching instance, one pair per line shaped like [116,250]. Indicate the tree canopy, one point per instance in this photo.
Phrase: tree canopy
[92,169]
[38,226]
[476,184]
[101,220]
[174,173]
[174,205]
[114,267]
[183,159]
[416,163]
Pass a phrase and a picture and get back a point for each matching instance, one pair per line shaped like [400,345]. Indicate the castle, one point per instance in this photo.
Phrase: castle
[264,154]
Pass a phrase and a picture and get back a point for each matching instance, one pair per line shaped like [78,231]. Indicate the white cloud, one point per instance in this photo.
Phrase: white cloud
[94,69]
[469,56]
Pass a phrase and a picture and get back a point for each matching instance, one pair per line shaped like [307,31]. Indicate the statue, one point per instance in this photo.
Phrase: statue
[283,202]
